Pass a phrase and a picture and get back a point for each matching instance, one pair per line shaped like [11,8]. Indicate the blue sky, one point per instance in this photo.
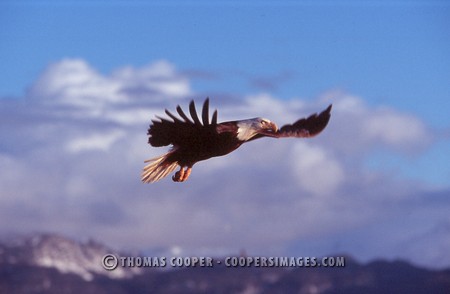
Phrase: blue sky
[385,66]
[389,53]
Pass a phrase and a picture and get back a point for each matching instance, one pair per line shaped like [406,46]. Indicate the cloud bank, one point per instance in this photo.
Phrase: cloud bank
[73,149]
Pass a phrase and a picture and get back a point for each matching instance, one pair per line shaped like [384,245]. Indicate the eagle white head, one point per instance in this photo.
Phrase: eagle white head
[249,128]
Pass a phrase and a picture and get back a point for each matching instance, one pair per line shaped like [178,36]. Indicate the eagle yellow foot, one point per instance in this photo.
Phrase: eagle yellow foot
[182,175]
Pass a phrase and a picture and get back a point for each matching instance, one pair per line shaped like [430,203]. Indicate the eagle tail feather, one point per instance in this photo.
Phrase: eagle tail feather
[157,168]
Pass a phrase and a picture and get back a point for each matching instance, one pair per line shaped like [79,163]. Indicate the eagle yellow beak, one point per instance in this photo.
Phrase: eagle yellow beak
[270,128]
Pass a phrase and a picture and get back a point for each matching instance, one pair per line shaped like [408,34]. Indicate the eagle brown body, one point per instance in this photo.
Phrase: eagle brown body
[194,140]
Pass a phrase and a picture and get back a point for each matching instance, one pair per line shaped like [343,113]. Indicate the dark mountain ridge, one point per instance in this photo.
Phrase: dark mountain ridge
[54,264]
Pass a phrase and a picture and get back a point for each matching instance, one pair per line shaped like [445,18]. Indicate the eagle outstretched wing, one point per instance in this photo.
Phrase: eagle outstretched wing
[302,128]
[306,127]
[178,131]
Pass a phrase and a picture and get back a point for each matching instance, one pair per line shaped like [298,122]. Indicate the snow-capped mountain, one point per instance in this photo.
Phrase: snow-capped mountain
[64,255]
[54,264]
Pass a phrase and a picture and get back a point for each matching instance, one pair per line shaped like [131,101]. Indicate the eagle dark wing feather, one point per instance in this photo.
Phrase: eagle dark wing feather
[164,132]
[214,118]
[306,127]
[183,115]
[193,113]
[175,119]
[205,112]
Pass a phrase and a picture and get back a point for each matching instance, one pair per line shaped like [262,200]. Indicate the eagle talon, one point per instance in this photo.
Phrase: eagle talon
[187,173]
[176,177]
[179,175]
[182,175]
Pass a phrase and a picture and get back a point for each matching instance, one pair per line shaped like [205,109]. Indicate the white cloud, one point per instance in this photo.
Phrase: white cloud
[395,129]
[74,82]
[97,141]
[316,171]
[359,129]
[264,197]
[159,77]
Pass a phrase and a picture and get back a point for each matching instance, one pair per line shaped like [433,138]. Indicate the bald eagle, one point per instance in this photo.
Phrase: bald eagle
[195,140]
